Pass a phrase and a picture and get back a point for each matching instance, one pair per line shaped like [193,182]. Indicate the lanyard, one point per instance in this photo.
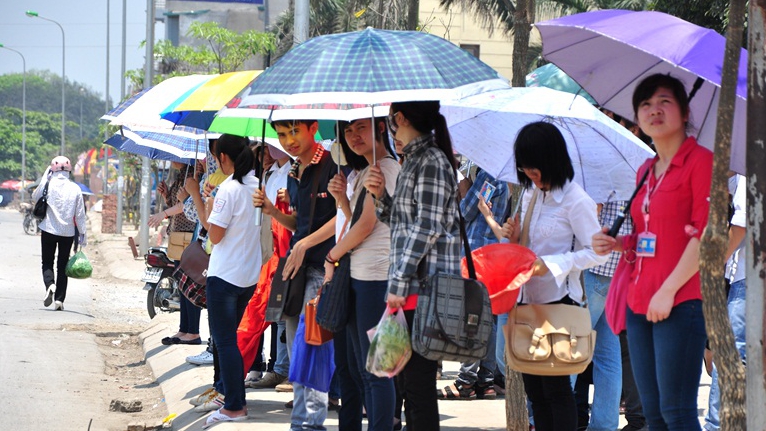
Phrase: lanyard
[649,192]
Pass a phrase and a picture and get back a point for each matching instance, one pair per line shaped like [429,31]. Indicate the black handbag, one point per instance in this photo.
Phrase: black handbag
[286,296]
[41,206]
[334,303]
[453,319]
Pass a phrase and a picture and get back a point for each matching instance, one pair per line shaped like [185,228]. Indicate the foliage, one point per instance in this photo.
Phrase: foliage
[42,142]
[220,50]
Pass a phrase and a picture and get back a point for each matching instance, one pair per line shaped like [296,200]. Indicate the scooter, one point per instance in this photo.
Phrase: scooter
[162,289]
[31,224]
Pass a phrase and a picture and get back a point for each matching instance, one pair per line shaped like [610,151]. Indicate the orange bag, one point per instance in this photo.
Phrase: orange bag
[503,268]
[315,335]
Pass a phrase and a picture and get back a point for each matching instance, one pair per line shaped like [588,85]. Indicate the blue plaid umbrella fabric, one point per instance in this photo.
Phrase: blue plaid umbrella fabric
[372,67]
[181,146]
[123,143]
[119,109]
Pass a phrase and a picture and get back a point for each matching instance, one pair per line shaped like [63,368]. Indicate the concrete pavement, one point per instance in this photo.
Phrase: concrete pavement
[181,381]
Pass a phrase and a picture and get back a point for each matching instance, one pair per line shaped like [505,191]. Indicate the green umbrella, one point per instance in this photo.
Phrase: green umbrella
[551,76]
[242,126]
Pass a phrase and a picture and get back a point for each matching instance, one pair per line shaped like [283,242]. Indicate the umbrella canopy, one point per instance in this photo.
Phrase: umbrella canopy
[604,154]
[123,143]
[143,110]
[372,67]
[85,190]
[550,76]
[198,108]
[609,52]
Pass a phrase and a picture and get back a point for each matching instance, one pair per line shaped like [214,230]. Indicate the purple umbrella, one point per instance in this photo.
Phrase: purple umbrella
[609,52]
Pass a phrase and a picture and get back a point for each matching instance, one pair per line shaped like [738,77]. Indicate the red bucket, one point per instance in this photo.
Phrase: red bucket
[503,268]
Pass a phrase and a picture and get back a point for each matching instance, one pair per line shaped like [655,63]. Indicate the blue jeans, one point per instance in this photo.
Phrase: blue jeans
[309,405]
[483,371]
[282,365]
[736,306]
[607,360]
[226,305]
[379,394]
[667,363]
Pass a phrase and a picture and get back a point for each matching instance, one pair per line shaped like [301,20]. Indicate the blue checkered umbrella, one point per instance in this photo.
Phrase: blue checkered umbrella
[123,143]
[372,67]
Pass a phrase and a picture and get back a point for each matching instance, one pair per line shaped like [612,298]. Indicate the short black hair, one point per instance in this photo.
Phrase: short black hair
[541,145]
[289,123]
[649,85]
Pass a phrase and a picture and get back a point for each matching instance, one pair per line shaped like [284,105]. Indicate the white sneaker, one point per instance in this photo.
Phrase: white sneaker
[59,306]
[252,377]
[49,295]
[204,358]
[204,397]
[214,404]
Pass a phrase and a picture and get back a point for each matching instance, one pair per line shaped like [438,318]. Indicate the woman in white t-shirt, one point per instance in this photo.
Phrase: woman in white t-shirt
[369,242]
[234,267]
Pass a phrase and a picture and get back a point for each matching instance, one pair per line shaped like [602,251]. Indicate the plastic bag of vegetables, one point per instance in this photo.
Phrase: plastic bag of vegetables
[79,266]
[390,347]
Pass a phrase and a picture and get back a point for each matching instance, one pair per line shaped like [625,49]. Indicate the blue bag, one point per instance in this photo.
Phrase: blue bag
[311,366]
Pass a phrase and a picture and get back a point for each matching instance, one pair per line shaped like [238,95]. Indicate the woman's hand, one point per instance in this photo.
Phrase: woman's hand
[208,192]
[162,188]
[156,219]
[512,229]
[283,196]
[337,188]
[329,270]
[294,260]
[260,200]
[191,185]
[395,301]
[660,306]
[539,268]
[375,183]
[485,208]
[182,194]
[602,243]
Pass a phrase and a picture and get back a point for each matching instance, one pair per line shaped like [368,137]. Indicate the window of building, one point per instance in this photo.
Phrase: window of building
[472,49]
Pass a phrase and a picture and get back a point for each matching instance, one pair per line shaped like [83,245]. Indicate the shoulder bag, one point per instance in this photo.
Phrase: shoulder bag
[453,319]
[548,339]
[41,206]
[192,274]
[286,296]
[177,243]
[333,305]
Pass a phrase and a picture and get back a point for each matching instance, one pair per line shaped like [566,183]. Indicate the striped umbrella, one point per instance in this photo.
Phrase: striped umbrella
[123,143]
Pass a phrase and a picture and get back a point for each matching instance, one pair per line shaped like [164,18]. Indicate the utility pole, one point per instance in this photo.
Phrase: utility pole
[301,22]
[106,128]
[146,188]
[120,160]
[755,241]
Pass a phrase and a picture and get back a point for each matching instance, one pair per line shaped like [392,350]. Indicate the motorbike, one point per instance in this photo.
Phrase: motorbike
[31,224]
[162,294]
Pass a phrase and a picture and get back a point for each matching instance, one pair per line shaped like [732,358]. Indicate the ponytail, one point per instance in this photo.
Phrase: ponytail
[237,149]
[426,118]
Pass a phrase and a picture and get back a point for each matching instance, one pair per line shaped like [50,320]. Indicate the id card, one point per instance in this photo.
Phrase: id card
[647,244]
[487,190]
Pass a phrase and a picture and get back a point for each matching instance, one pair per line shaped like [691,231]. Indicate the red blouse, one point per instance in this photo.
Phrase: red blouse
[678,211]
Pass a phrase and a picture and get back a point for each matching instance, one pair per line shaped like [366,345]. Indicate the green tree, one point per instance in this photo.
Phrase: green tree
[42,143]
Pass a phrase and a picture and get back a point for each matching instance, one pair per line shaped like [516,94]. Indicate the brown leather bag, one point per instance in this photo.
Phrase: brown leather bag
[177,243]
[315,335]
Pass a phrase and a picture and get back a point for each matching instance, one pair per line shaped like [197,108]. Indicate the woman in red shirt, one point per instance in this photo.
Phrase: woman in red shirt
[665,324]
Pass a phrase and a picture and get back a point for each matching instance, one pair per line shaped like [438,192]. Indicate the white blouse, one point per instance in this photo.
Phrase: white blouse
[65,205]
[559,217]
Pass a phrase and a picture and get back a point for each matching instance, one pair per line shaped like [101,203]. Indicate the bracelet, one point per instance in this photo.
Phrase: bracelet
[330,260]
[165,213]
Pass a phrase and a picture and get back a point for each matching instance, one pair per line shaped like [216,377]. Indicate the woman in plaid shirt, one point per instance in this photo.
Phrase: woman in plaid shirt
[425,235]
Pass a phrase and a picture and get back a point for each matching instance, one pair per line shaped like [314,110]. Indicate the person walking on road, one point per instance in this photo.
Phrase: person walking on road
[64,219]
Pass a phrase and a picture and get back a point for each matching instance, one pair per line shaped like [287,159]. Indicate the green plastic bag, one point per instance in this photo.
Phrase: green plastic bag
[79,266]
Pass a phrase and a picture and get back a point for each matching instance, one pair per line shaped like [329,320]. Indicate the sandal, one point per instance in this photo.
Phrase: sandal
[456,391]
[486,391]
[217,417]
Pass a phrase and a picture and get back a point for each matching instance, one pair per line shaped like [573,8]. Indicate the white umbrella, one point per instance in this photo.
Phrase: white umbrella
[604,154]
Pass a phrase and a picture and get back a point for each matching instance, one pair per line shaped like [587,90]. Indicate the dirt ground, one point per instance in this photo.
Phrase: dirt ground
[120,312]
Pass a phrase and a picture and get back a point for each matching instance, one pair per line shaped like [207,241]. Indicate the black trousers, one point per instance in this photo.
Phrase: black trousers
[50,243]
[553,402]
[418,380]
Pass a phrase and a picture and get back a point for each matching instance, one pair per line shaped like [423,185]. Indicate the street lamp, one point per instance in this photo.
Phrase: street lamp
[33,14]
[23,122]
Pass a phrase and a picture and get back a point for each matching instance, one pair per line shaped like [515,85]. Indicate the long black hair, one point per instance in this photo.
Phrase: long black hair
[238,150]
[426,118]
[356,161]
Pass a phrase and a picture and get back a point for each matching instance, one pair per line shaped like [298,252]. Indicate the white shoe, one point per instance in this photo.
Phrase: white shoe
[204,358]
[59,306]
[204,397]
[252,377]
[49,295]
[214,404]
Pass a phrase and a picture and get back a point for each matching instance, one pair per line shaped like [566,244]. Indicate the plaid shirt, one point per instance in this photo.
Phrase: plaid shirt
[422,216]
[478,231]
[609,213]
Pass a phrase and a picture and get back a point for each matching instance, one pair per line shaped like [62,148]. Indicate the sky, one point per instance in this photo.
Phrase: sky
[84,23]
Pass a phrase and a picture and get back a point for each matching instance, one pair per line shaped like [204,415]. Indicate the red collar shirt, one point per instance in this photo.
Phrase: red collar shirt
[678,211]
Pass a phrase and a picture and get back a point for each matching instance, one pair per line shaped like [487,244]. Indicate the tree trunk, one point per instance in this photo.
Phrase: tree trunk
[413,11]
[523,17]
[756,228]
[731,373]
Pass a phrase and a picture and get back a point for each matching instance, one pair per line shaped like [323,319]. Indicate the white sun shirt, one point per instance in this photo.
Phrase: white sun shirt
[237,258]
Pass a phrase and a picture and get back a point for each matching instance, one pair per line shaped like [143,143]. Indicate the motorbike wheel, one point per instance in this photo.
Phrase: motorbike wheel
[30,225]
[150,307]
[162,291]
